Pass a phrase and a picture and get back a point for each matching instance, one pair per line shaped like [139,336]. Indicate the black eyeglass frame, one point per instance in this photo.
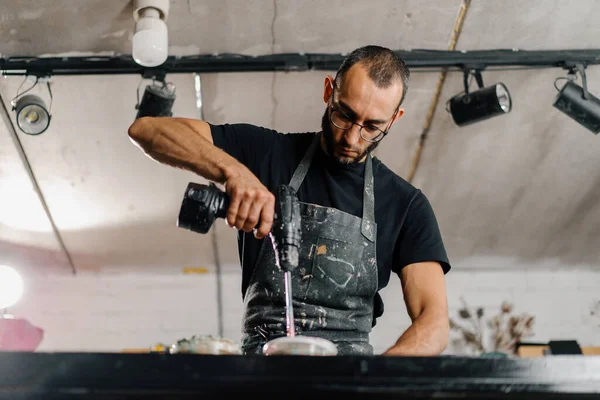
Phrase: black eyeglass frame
[380,135]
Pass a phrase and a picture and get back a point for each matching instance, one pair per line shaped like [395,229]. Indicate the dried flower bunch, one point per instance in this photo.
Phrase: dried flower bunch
[506,329]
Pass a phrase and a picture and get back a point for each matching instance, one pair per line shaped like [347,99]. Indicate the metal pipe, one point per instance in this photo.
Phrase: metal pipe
[460,19]
[215,241]
[34,182]
[289,306]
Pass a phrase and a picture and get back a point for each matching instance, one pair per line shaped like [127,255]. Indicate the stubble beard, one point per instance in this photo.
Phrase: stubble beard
[330,145]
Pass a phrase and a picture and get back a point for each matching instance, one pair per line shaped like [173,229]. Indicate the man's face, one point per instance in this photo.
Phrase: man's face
[337,151]
[365,104]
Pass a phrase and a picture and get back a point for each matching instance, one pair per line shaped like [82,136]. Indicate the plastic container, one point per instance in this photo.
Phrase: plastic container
[206,345]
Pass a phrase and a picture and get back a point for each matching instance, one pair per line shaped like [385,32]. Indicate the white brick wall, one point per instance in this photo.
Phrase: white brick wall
[114,312]
[109,313]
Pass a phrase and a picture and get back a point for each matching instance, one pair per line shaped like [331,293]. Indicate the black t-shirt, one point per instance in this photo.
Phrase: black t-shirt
[407,230]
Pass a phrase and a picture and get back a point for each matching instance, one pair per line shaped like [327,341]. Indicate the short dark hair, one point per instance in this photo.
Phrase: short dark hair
[383,65]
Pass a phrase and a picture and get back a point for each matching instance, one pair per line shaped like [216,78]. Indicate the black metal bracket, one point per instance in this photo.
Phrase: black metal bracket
[578,67]
[157,74]
[475,71]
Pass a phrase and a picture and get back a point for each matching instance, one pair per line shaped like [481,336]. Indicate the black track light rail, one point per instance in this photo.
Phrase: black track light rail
[288,62]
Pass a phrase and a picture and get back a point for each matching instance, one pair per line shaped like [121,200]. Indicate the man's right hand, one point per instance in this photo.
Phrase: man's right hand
[250,203]
[187,143]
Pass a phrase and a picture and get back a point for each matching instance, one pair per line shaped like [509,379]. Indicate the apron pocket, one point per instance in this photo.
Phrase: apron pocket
[337,268]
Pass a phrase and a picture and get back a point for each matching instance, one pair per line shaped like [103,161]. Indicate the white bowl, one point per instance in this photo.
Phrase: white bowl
[299,346]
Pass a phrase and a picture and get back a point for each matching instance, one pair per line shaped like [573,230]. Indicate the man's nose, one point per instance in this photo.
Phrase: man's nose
[353,134]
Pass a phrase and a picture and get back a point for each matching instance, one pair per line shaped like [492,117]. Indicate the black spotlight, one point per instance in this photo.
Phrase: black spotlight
[576,102]
[470,107]
[157,100]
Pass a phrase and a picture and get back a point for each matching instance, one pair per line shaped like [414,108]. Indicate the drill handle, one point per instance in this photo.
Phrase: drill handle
[202,204]
[287,227]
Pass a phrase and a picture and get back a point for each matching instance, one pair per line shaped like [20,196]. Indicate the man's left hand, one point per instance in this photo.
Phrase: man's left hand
[424,290]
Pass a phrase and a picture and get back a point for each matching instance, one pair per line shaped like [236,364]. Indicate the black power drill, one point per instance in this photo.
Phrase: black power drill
[202,204]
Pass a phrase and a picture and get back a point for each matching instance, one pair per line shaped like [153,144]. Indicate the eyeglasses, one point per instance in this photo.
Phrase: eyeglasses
[369,133]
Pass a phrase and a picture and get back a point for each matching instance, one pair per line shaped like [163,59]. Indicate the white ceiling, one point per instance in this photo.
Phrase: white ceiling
[521,190]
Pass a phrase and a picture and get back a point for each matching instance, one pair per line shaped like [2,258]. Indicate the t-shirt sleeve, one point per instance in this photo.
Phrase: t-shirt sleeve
[420,239]
[249,144]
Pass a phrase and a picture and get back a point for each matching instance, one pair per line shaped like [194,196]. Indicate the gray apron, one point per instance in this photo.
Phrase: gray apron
[334,285]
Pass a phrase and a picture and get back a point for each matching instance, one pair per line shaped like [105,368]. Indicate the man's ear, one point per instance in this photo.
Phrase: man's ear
[327,88]
[399,115]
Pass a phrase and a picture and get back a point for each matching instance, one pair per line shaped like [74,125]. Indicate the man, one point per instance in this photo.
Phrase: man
[360,221]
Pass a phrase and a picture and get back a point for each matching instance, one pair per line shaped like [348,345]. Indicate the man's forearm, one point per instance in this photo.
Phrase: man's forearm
[184,144]
[427,336]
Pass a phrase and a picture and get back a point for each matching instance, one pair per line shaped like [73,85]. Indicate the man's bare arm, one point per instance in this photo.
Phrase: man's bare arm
[187,144]
[424,289]
[184,143]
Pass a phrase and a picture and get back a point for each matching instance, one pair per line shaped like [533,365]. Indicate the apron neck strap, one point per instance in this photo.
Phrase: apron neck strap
[304,165]
[368,217]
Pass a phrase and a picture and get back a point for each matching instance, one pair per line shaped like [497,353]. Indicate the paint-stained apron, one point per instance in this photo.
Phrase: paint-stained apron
[334,285]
